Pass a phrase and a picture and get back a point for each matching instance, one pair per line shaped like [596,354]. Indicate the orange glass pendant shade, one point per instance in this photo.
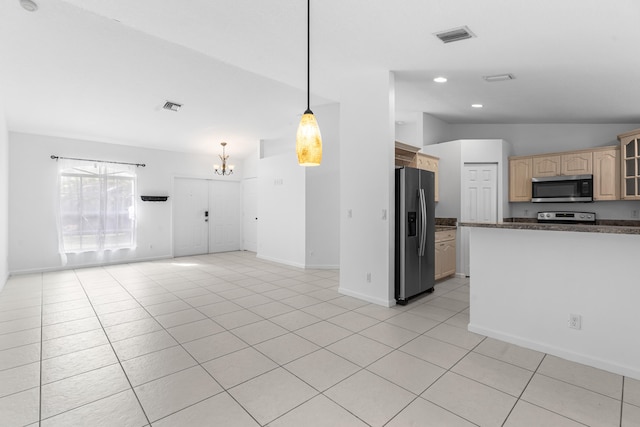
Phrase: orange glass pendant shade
[309,141]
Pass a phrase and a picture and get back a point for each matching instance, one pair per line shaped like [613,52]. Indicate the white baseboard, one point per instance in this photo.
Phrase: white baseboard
[280,261]
[89,265]
[628,371]
[368,298]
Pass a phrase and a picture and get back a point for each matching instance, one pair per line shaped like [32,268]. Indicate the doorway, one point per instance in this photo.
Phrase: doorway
[479,202]
[206,216]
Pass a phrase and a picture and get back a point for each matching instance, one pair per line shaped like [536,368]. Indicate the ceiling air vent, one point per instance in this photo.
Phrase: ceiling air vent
[171,106]
[499,77]
[455,34]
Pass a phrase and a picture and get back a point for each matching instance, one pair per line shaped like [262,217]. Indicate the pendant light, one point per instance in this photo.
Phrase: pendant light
[308,139]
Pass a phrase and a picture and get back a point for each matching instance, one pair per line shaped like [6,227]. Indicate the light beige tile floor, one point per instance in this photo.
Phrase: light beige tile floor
[230,340]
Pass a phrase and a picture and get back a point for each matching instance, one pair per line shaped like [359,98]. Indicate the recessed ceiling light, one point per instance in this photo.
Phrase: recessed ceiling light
[399,122]
[440,79]
[477,105]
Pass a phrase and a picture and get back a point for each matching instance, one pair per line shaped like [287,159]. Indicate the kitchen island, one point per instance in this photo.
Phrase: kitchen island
[528,278]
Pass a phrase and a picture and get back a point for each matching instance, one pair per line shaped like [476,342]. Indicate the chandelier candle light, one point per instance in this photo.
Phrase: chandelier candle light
[225,170]
[308,139]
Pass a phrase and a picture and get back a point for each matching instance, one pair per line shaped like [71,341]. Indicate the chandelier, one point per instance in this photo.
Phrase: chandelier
[225,169]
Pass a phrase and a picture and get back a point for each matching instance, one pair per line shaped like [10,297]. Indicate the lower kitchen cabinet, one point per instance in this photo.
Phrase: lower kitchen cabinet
[445,253]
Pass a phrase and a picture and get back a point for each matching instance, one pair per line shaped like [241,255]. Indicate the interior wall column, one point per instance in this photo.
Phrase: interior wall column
[367,123]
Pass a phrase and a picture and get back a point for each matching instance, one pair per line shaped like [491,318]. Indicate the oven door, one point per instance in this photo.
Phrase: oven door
[562,189]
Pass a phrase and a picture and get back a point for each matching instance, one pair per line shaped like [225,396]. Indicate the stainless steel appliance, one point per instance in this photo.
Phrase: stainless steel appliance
[573,188]
[567,217]
[415,233]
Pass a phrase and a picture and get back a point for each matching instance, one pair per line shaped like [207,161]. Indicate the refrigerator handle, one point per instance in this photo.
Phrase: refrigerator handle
[423,224]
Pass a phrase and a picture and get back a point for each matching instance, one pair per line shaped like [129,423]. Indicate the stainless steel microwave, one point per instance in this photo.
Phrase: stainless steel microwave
[562,189]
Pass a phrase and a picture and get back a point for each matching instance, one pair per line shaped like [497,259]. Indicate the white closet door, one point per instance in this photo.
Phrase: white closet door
[190,228]
[479,202]
[225,219]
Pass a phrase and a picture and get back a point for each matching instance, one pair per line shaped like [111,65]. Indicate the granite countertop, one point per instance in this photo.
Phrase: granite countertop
[445,227]
[584,228]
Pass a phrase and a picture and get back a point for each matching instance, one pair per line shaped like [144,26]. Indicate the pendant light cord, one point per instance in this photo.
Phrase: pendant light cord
[308,56]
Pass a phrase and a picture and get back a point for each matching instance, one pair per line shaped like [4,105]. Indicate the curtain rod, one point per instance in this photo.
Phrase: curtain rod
[54,157]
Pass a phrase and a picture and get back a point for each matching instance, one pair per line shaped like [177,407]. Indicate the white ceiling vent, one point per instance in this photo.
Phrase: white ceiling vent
[455,34]
[499,78]
[171,106]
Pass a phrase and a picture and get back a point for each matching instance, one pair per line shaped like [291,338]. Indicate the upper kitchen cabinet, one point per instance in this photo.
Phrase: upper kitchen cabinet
[603,163]
[606,174]
[630,154]
[546,166]
[520,173]
[577,163]
[429,163]
[570,163]
[407,155]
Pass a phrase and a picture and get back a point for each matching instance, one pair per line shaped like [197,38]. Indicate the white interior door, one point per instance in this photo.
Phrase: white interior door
[250,215]
[479,202]
[190,226]
[224,216]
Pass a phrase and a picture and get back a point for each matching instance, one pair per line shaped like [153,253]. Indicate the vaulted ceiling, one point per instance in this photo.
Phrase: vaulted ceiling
[101,70]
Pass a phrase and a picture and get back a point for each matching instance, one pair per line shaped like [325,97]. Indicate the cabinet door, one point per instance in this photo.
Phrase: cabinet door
[546,166]
[577,163]
[606,175]
[429,163]
[520,179]
[439,257]
[449,258]
[630,153]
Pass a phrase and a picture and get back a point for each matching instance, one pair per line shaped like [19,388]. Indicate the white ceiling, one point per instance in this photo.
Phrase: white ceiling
[101,69]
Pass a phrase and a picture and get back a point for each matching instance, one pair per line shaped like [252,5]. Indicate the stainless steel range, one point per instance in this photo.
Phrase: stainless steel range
[564,217]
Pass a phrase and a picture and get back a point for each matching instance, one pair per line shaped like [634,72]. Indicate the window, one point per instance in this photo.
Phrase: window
[97,206]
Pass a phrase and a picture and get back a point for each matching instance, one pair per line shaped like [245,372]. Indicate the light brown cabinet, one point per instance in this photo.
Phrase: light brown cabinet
[520,173]
[429,163]
[445,254]
[602,162]
[606,174]
[546,166]
[630,165]
[577,163]
[407,155]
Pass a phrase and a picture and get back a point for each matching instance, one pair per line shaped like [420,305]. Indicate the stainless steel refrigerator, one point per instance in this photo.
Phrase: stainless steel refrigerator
[415,233]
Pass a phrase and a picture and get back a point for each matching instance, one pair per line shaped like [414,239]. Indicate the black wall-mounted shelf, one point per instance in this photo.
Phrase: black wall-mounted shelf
[154,198]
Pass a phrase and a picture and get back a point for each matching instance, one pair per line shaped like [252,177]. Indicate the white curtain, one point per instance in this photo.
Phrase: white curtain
[96,206]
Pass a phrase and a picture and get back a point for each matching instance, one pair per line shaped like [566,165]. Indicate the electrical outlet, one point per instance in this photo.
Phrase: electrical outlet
[349,213]
[368,277]
[575,321]
[634,213]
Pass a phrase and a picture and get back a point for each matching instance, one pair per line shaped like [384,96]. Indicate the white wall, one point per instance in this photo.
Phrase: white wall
[4,201]
[525,295]
[32,194]
[322,195]
[281,209]
[366,186]
[434,130]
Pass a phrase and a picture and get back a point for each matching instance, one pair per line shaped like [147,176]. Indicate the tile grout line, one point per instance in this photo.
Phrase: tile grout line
[112,349]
